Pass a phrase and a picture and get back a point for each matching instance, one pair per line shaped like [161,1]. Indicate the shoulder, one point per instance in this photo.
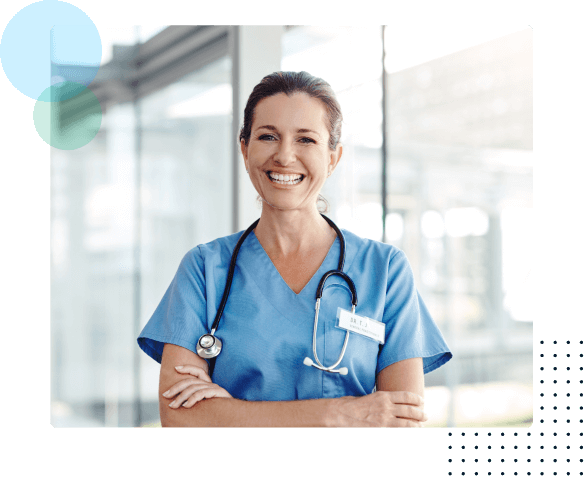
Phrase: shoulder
[364,249]
[214,251]
[218,247]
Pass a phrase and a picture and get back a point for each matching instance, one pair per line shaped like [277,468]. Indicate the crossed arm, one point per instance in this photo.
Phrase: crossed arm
[398,401]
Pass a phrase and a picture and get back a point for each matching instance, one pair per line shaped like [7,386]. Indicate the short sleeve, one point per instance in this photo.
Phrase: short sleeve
[180,317]
[410,330]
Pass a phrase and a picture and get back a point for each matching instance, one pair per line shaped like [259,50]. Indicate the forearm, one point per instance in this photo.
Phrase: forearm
[225,412]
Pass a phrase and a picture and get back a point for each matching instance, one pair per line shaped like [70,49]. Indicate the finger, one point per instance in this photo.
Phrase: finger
[194,371]
[408,423]
[418,414]
[407,397]
[181,385]
[400,422]
[187,392]
[413,398]
[182,397]
[403,397]
[210,393]
[410,412]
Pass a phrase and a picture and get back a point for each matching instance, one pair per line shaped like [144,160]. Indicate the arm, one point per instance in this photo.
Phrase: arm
[230,412]
[406,375]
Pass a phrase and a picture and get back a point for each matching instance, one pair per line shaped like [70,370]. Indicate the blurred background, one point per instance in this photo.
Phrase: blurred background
[438,142]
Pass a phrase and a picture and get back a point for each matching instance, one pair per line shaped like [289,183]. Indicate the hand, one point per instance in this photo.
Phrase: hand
[191,390]
[382,408]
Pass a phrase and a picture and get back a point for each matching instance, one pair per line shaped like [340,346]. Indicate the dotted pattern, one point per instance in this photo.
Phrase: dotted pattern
[553,446]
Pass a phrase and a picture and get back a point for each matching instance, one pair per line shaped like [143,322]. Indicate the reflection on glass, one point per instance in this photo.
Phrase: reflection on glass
[186,188]
[459,160]
[183,161]
[459,166]
[354,70]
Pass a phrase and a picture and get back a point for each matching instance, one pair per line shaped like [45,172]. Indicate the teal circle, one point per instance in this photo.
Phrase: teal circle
[49,39]
[67,115]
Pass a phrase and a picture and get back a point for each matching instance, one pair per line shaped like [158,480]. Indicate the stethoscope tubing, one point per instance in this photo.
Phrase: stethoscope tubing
[319,365]
[339,272]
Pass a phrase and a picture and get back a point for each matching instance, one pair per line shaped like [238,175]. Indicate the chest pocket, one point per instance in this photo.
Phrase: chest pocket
[361,355]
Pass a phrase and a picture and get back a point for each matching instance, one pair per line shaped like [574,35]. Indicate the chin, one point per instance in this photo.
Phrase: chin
[279,203]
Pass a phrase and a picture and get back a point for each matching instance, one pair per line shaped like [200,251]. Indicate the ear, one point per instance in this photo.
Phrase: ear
[335,157]
[244,153]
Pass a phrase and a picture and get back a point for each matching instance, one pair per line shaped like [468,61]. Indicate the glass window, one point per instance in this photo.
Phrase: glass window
[92,278]
[350,60]
[460,144]
[186,182]
[177,142]
[459,184]
[459,168]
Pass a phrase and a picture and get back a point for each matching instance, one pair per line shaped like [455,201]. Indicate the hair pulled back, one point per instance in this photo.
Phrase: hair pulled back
[290,83]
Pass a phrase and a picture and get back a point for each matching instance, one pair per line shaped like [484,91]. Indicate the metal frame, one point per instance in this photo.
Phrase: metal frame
[139,70]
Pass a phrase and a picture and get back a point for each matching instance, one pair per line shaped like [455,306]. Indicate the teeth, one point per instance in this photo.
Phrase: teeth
[285,179]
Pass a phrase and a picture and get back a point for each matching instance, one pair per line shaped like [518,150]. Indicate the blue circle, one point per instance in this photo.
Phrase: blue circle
[50,42]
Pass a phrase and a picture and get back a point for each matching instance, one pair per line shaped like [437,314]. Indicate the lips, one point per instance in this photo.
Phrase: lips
[285,179]
[291,176]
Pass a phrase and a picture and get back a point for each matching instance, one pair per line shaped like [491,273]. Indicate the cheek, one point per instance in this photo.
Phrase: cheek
[254,150]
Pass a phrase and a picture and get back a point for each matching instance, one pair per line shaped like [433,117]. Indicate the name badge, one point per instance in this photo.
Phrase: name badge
[365,326]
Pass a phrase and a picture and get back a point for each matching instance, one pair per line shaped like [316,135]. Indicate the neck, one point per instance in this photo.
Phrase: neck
[291,232]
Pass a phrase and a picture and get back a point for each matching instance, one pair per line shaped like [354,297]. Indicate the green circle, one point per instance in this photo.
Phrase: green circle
[70,123]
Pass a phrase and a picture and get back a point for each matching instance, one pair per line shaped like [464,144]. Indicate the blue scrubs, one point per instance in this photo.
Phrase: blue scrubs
[266,329]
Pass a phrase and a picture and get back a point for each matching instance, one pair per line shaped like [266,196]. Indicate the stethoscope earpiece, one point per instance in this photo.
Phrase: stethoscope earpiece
[209,346]
[308,362]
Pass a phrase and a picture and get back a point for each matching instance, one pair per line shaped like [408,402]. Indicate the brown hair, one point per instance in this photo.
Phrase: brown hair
[290,83]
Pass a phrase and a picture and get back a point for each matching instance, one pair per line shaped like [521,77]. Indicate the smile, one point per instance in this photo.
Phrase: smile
[285,179]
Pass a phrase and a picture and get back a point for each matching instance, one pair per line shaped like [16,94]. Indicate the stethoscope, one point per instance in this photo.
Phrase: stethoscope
[209,346]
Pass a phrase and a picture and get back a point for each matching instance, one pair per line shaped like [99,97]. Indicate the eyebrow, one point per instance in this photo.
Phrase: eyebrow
[274,129]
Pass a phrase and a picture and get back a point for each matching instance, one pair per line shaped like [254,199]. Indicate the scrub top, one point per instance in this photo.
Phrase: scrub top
[266,329]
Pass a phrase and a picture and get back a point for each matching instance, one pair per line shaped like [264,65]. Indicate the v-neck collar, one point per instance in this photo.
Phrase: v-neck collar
[320,269]
[257,266]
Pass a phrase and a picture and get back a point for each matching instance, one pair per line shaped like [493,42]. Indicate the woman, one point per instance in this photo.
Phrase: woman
[290,146]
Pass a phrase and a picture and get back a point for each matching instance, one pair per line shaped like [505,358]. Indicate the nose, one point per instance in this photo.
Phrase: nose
[285,154]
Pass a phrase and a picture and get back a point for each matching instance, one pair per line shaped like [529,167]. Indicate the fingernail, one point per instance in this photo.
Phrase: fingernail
[179,367]
[166,393]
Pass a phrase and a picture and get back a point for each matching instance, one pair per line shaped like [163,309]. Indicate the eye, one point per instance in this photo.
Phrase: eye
[307,140]
[266,137]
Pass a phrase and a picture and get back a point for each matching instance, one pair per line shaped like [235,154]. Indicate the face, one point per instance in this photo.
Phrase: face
[288,156]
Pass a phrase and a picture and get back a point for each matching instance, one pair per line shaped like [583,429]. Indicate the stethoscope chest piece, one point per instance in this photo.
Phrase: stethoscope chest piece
[209,346]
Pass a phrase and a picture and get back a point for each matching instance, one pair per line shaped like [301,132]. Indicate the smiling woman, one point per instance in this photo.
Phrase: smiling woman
[290,146]
[289,137]
[290,83]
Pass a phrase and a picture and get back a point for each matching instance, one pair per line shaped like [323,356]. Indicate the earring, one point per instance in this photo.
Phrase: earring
[247,171]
